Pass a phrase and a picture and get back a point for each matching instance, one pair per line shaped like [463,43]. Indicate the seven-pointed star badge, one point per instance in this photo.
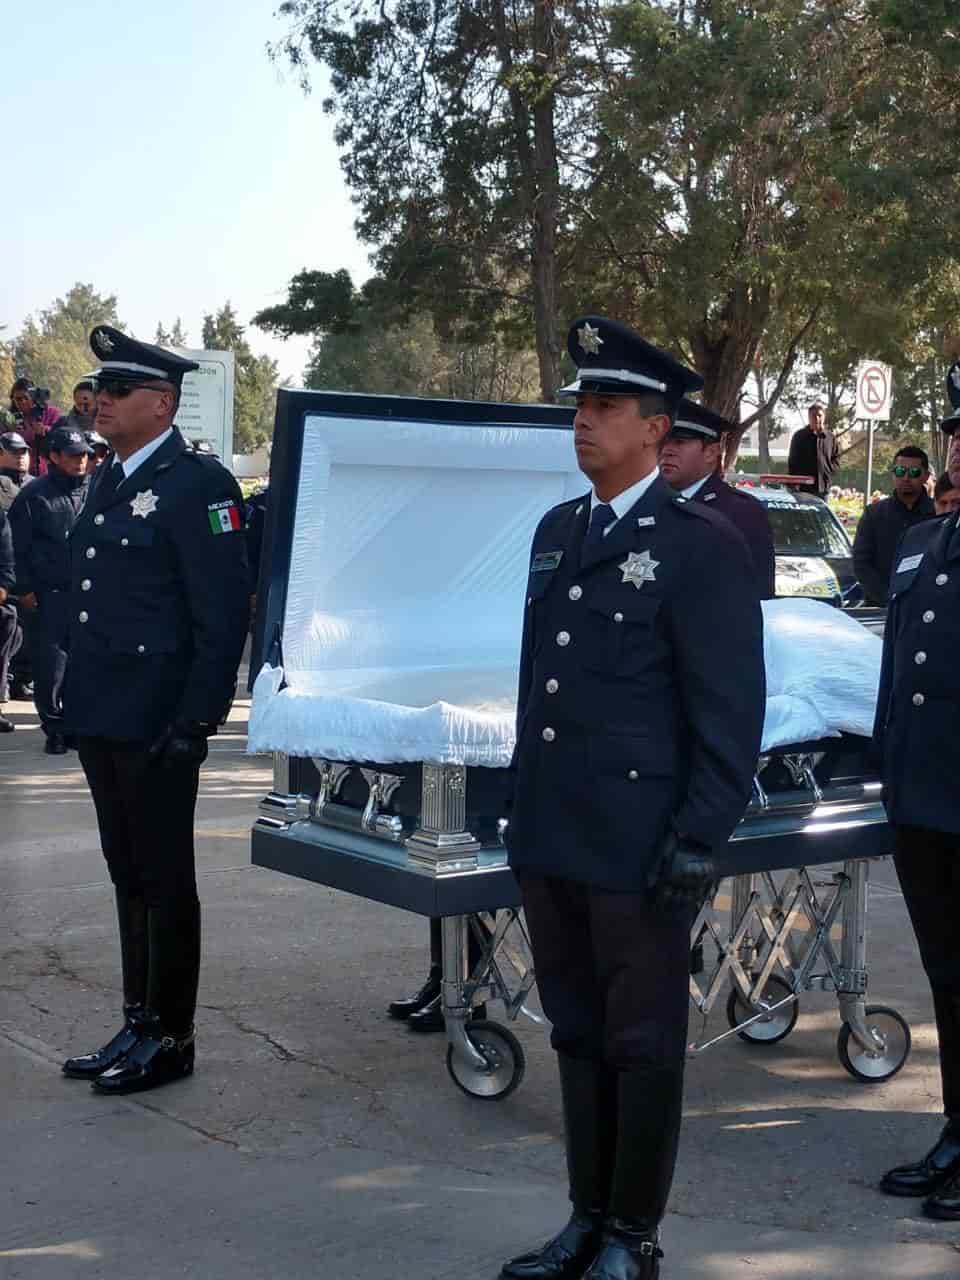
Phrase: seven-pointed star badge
[589,339]
[144,504]
[638,569]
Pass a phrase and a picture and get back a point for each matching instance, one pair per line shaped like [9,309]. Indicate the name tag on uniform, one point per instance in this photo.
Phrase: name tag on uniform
[644,522]
[908,563]
[709,497]
[546,561]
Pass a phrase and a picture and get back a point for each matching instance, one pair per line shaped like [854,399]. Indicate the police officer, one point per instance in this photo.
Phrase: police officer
[158,618]
[41,519]
[640,707]
[917,708]
[690,460]
[14,474]
[99,446]
[14,467]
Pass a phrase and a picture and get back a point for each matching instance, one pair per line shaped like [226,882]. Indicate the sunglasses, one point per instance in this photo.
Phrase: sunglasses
[913,472]
[117,389]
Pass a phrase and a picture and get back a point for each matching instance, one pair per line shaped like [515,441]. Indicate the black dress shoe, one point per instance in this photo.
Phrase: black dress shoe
[55,745]
[944,1204]
[430,1017]
[404,1009]
[90,1065]
[566,1257]
[154,1060]
[929,1174]
[6,726]
[627,1253]
[20,691]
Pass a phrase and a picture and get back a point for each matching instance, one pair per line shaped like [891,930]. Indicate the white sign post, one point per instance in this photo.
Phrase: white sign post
[874,398]
[206,401]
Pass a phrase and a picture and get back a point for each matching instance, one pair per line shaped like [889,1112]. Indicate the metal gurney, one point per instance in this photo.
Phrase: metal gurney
[405,805]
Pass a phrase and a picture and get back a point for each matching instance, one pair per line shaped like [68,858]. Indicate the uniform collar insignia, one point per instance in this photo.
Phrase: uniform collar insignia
[144,504]
[639,569]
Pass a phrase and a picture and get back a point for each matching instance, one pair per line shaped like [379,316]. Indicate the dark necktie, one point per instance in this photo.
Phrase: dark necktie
[601,518]
[108,485]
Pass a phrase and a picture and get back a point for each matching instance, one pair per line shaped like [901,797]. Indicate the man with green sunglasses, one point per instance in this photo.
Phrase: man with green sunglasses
[884,522]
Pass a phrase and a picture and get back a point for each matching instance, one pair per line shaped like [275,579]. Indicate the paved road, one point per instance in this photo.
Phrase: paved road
[318,1139]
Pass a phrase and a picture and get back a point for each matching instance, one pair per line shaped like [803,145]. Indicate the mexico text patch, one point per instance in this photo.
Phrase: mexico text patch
[224,517]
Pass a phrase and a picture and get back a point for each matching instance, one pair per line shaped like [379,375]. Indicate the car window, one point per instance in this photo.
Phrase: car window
[806,531]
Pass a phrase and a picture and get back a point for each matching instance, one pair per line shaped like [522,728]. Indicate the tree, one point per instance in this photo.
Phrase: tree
[54,350]
[721,174]
[256,379]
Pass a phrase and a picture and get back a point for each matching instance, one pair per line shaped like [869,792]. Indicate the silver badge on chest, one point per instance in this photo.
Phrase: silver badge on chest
[638,568]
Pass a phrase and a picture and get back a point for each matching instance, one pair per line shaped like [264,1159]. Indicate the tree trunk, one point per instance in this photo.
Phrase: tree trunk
[536,144]
[546,186]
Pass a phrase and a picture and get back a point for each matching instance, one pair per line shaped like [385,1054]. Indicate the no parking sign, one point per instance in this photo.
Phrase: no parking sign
[874,390]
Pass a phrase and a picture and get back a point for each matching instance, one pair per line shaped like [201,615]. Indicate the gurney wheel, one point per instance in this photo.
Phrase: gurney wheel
[774,1026]
[505,1060]
[876,1067]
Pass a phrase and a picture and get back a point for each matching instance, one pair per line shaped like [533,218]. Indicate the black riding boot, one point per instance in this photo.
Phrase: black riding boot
[649,1102]
[165,1049]
[132,919]
[589,1119]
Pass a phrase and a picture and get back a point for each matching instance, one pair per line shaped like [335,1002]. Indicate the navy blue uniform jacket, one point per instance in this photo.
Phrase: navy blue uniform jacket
[158,600]
[640,708]
[748,515]
[919,697]
[42,515]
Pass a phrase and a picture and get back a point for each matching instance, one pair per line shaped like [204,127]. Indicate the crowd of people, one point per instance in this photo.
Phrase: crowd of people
[47,460]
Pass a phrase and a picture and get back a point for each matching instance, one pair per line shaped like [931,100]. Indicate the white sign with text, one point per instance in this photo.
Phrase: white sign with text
[206,401]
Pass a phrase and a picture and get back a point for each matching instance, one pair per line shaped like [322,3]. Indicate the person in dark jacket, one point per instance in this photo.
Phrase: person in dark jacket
[14,474]
[158,609]
[10,633]
[814,452]
[639,715]
[83,415]
[917,708]
[883,523]
[14,467]
[690,458]
[41,518]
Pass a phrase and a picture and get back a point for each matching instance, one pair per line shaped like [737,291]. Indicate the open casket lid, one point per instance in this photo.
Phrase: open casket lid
[396,557]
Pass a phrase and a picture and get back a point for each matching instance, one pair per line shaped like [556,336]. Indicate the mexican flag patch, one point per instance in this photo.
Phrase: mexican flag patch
[224,517]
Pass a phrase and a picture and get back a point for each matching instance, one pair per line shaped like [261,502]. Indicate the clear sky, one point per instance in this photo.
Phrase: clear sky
[155,152]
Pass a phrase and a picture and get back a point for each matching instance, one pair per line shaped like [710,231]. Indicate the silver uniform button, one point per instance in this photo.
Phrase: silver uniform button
[563,638]
[552,685]
[548,734]
[141,648]
[124,542]
[575,592]
[91,553]
[618,617]
[86,584]
[98,518]
[941,579]
[918,699]
[633,775]
[929,616]
[83,615]
[920,658]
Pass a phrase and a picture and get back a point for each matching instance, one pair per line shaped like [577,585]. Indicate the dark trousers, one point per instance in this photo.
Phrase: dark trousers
[47,633]
[146,814]
[613,974]
[928,864]
[11,638]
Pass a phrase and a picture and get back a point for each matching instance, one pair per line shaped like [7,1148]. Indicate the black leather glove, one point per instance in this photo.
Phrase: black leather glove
[180,746]
[685,874]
